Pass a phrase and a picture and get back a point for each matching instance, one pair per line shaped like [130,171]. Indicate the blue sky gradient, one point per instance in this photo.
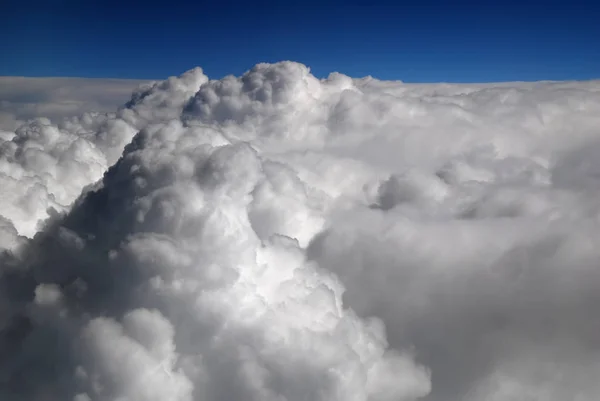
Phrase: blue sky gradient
[424,41]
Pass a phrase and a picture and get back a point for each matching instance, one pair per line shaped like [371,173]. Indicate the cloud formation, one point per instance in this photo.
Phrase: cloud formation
[45,166]
[278,237]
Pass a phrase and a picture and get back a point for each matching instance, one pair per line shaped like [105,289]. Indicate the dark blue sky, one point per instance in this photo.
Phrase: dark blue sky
[421,41]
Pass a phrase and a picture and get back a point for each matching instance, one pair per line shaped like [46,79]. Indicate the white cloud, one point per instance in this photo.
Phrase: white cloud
[46,165]
[279,237]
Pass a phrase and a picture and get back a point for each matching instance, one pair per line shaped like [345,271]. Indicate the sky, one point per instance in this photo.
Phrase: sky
[424,41]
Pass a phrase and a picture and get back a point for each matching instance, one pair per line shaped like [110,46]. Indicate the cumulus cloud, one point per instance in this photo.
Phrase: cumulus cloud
[44,166]
[279,237]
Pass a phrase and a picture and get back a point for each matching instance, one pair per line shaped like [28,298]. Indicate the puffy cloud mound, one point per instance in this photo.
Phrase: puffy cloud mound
[46,166]
[279,237]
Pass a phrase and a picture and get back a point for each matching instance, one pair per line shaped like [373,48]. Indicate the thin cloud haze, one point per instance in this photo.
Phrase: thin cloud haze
[24,98]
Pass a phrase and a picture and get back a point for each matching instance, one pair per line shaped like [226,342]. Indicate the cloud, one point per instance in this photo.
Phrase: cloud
[278,237]
[44,166]
[24,98]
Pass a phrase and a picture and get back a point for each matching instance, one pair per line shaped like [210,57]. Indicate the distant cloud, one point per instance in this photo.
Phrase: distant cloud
[23,98]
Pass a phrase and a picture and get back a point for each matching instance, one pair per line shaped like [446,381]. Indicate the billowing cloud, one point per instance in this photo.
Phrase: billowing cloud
[45,166]
[278,237]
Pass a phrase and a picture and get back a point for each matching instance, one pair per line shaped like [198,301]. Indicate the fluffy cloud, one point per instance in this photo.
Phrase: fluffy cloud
[278,237]
[45,166]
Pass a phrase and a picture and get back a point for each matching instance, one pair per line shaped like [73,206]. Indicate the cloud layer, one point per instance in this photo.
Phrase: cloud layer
[278,237]
[25,98]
